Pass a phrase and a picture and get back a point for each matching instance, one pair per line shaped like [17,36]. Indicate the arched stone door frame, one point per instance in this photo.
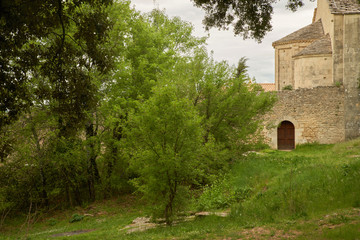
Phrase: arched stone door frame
[286,135]
[272,133]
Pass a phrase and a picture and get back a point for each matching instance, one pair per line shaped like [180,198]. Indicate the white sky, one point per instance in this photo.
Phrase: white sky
[230,48]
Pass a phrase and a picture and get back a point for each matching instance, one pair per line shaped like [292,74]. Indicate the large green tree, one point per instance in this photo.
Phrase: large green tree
[165,136]
[229,101]
[250,18]
[147,46]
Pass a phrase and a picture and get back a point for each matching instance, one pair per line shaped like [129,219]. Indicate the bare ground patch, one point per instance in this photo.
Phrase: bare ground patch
[68,234]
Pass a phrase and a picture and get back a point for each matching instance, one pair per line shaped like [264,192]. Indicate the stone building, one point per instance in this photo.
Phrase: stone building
[317,74]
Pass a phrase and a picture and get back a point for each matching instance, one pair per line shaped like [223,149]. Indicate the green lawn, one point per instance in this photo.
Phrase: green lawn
[312,192]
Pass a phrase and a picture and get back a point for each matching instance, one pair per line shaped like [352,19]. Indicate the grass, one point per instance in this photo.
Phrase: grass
[309,181]
[312,192]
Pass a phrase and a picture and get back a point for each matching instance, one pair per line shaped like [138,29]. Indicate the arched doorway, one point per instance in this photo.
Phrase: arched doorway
[286,136]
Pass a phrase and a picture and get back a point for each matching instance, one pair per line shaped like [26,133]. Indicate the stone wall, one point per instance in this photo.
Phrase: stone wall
[313,71]
[327,19]
[284,63]
[320,111]
[351,74]
[317,114]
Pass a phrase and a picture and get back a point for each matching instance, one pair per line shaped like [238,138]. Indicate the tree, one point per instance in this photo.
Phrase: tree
[250,18]
[241,67]
[165,136]
[147,47]
[51,46]
[200,116]
[51,54]
[229,103]
[157,42]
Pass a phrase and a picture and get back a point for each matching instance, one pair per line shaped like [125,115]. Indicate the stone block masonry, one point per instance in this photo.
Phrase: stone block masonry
[318,115]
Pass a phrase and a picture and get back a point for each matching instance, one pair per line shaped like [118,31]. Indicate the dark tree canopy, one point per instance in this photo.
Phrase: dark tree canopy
[250,18]
[51,43]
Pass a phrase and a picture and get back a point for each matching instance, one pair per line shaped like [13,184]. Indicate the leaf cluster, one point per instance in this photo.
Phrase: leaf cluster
[56,43]
[249,18]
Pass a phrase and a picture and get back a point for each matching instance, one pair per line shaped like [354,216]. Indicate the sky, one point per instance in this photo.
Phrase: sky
[226,46]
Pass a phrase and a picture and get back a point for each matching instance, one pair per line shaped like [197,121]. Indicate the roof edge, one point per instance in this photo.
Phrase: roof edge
[312,55]
[345,13]
[294,36]
[275,44]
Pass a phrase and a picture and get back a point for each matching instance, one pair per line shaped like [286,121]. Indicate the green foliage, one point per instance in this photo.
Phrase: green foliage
[231,106]
[217,98]
[338,83]
[52,222]
[222,194]
[251,18]
[157,43]
[67,158]
[76,218]
[338,219]
[288,87]
[310,181]
[6,144]
[43,169]
[308,192]
[149,48]
[48,51]
[161,115]
[216,196]
[241,67]
[22,171]
[165,136]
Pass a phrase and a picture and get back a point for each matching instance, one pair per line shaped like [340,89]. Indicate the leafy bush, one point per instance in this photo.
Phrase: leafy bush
[288,87]
[76,218]
[165,138]
[221,194]
[52,222]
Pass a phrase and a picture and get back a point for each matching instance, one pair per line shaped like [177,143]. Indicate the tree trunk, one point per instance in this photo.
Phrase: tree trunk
[44,195]
[93,172]
[169,205]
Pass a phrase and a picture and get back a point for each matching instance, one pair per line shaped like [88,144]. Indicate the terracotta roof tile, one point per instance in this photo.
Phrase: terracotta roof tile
[321,46]
[344,6]
[310,33]
[268,87]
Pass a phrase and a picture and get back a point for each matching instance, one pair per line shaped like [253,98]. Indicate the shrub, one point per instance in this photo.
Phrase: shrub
[222,194]
[76,218]
[288,87]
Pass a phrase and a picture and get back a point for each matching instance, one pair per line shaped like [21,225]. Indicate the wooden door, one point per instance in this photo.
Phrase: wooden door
[286,136]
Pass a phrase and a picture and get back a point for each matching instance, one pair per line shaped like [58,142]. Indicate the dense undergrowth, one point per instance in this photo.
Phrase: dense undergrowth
[312,192]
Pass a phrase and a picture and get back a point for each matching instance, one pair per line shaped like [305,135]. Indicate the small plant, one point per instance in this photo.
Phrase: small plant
[288,87]
[268,150]
[338,83]
[338,219]
[356,203]
[52,222]
[76,218]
